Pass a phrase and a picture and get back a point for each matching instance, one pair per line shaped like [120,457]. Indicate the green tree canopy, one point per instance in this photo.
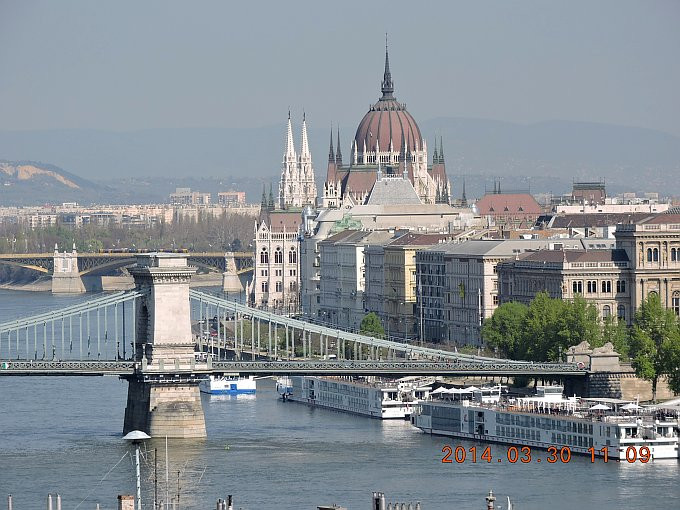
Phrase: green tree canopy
[655,343]
[504,329]
[371,326]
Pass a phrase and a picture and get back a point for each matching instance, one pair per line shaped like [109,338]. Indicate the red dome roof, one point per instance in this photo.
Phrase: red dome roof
[388,121]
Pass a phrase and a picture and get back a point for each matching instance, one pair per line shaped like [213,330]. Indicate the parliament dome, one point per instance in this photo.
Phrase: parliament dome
[388,121]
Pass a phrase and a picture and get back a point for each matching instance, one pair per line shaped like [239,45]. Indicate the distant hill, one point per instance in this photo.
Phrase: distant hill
[549,154]
[31,182]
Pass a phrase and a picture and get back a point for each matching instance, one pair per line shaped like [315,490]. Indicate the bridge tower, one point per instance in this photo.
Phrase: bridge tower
[163,398]
[65,276]
[230,279]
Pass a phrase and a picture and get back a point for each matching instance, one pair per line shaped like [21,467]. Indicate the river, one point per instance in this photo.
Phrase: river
[63,435]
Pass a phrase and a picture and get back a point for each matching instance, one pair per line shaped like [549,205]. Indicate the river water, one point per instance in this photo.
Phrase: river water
[63,434]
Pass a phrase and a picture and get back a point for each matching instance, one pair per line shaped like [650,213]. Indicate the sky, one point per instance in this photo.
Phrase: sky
[129,65]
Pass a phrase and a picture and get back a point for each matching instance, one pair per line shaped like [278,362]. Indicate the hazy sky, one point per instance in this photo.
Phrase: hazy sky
[129,65]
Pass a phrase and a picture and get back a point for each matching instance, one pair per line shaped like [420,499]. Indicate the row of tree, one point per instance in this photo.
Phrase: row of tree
[224,232]
[547,327]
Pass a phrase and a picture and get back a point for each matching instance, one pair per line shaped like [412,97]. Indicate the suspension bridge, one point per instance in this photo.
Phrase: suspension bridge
[145,336]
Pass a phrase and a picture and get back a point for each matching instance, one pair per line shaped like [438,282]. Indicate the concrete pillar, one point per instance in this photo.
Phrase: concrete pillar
[163,337]
[65,274]
[230,280]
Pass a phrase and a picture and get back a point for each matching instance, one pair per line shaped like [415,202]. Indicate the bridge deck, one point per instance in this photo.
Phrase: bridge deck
[263,368]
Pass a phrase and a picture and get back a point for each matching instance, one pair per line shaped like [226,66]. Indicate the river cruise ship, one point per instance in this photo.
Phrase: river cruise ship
[618,429]
[368,396]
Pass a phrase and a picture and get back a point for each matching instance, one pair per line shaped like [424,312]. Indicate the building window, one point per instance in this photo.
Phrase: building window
[592,286]
[278,256]
[293,272]
[293,286]
[621,286]
[495,300]
[675,255]
[621,312]
[606,311]
[649,254]
[279,286]
[655,254]
[264,256]
[577,287]
[675,302]
[265,286]
[264,272]
[292,256]
[606,286]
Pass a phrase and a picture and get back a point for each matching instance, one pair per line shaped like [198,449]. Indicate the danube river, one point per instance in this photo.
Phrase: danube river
[63,434]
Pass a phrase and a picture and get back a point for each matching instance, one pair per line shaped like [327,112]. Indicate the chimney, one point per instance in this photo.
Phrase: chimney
[230,505]
[126,502]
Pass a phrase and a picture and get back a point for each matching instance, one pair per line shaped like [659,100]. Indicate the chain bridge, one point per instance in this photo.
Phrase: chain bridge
[146,337]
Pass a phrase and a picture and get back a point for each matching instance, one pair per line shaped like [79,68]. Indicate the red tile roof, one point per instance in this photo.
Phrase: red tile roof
[501,204]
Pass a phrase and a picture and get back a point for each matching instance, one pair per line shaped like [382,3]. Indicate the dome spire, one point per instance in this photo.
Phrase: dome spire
[387,85]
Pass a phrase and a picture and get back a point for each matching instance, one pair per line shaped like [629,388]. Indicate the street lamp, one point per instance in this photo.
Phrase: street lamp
[136,437]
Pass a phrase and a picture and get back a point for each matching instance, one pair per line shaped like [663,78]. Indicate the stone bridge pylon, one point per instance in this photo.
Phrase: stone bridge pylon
[65,275]
[164,401]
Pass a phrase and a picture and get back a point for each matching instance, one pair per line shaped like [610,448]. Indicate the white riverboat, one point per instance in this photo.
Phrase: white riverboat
[284,387]
[621,430]
[228,385]
[368,396]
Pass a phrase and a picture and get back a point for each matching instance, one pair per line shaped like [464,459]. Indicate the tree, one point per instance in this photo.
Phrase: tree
[615,331]
[655,343]
[505,328]
[581,322]
[371,326]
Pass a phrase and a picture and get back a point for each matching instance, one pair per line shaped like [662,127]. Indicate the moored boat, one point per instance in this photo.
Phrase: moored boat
[621,430]
[368,396]
[228,385]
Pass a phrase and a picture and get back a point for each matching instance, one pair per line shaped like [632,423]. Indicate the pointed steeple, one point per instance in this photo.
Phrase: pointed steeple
[304,149]
[264,197]
[289,155]
[331,151]
[270,203]
[338,155]
[387,85]
[464,197]
[441,150]
[435,156]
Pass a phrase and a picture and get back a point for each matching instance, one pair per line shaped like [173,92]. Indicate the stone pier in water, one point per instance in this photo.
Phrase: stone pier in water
[163,398]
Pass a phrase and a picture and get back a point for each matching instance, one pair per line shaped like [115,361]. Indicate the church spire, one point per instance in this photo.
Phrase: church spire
[441,150]
[435,156]
[387,85]
[331,151]
[304,150]
[338,155]
[290,145]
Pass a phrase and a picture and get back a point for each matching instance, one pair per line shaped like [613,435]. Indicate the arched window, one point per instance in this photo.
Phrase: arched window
[621,286]
[606,311]
[293,286]
[675,302]
[279,286]
[264,256]
[278,256]
[606,286]
[621,312]
[649,254]
[655,253]
[674,255]
[265,286]
[292,256]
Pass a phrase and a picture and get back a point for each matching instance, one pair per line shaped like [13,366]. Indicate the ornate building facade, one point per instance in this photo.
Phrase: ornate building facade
[276,274]
[387,144]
